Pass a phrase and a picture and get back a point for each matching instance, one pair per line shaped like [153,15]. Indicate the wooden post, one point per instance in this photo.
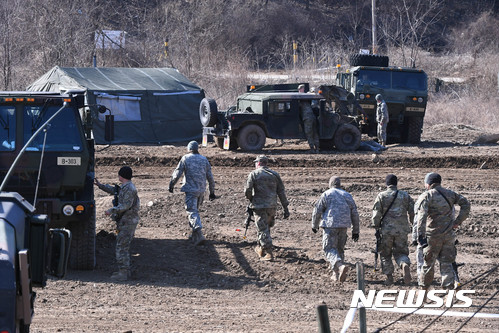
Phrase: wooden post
[323,319]
[361,286]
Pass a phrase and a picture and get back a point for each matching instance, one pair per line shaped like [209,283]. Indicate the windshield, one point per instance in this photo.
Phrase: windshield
[62,132]
[392,80]
[7,128]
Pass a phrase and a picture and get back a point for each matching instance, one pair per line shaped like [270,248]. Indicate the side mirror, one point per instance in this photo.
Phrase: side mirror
[59,243]
[109,128]
[102,109]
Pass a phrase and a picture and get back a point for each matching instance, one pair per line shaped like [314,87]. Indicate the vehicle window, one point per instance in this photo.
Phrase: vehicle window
[62,133]
[280,107]
[409,80]
[379,79]
[7,128]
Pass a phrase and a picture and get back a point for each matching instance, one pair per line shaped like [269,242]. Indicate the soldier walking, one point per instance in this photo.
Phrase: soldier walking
[436,227]
[125,212]
[392,212]
[335,212]
[196,170]
[263,187]
[382,119]
[309,123]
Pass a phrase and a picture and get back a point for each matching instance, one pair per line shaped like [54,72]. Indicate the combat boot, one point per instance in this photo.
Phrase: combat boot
[389,280]
[342,272]
[407,273]
[259,251]
[268,256]
[120,275]
[200,239]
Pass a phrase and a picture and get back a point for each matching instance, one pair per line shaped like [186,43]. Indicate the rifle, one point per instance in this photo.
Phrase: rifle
[376,253]
[116,217]
[249,219]
[378,233]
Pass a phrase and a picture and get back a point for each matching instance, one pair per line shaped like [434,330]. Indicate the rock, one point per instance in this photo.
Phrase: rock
[150,204]
[375,158]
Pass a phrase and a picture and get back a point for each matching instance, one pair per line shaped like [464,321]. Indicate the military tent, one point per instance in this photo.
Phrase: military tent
[150,105]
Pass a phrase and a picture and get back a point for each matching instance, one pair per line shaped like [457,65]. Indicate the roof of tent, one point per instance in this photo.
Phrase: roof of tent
[115,79]
[166,107]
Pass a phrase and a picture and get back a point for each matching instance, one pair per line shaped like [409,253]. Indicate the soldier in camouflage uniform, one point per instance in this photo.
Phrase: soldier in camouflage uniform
[391,211]
[436,227]
[335,212]
[126,214]
[196,170]
[309,123]
[382,119]
[263,186]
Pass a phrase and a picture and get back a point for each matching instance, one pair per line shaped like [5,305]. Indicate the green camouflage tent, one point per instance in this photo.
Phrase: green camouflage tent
[150,105]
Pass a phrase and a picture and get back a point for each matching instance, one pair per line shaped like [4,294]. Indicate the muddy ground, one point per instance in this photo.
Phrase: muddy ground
[222,286]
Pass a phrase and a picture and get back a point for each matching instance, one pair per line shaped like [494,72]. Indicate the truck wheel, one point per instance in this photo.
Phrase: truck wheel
[369,60]
[82,254]
[347,137]
[251,137]
[220,143]
[414,128]
[208,112]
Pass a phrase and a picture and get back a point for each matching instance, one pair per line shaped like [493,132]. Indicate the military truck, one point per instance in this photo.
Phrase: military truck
[28,252]
[405,91]
[273,111]
[55,174]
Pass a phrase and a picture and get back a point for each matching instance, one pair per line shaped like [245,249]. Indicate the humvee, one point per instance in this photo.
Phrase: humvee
[404,90]
[56,172]
[273,111]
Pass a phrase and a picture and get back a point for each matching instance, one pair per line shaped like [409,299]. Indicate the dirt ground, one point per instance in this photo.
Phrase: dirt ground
[222,286]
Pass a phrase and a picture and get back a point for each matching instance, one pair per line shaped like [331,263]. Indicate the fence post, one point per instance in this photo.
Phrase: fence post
[323,318]
[361,286]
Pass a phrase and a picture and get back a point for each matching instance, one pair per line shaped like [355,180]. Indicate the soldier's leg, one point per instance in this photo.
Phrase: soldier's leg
[308,128]
[263,230]
[446,258]
[401,256]
[123,241]
[430,254]
[419,260]
[191,206]
[387,243]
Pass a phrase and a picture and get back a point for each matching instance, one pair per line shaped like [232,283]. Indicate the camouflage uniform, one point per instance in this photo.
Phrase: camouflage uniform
[335,212]
[419,248]
[394,227]
[126,215]
[309,125]
[382,119]
[196,170]
[435,222]
[263,186]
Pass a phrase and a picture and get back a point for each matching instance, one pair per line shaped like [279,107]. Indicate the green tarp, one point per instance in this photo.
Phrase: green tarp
[150,105]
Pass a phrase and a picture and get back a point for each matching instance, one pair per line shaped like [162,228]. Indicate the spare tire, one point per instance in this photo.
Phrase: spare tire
[208,112]
[369,60]
[347,137]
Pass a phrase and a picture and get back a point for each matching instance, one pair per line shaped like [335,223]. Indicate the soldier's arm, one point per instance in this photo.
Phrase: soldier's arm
[410,209]
[281,192]
[107,188]
[377,213]
[248,191]
[422,216]
[354,215]
[209,177]
[464,210]
[319,208]
[177,173]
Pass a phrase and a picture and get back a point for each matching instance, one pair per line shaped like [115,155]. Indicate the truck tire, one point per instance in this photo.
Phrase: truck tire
[414,129]
[208,112]
[347,137]
[369,60]
[251,137]
[82,253]
[220,143]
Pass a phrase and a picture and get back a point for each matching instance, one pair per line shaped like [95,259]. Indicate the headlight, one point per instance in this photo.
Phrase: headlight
[68,210]
[361,96]
[420,99]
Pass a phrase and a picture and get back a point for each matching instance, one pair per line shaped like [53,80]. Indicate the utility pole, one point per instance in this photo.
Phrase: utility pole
[375,42]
